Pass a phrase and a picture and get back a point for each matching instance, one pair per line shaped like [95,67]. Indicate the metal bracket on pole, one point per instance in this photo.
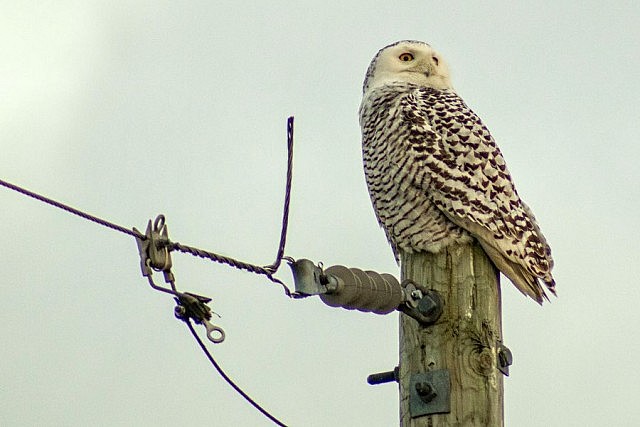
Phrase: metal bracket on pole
[424,305]
[504,358]
[429,393]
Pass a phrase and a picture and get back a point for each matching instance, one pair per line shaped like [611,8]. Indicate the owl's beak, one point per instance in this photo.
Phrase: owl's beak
[425,68]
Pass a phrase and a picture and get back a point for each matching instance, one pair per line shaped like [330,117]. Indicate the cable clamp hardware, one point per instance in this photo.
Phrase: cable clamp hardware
[192,306]
[155,254]
[154,247]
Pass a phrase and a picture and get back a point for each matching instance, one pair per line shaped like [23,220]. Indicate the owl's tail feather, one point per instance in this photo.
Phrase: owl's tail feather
[526,283]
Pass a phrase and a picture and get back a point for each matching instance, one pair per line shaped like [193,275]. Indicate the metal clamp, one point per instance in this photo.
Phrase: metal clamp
[308,277]
[155,254]
[154,248]
[192,306]
[424,305]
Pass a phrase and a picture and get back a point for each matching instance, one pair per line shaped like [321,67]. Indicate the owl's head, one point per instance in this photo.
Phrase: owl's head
[408,61]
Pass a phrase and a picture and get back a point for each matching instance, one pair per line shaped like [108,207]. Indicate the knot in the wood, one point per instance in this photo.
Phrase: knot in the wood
[483,362]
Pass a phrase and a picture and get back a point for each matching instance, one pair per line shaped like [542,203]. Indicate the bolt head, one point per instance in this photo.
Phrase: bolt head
[425,391]
[427,306]
[430,306]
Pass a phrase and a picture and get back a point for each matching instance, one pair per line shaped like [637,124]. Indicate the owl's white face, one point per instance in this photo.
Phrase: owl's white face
[408,61]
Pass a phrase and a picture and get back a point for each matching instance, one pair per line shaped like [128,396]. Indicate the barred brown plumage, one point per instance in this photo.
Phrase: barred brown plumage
[435,174]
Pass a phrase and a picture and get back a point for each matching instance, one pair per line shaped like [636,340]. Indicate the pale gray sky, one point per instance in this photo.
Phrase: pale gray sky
[131,109]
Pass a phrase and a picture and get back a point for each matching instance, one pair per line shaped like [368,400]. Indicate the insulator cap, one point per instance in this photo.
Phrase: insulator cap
[367,291]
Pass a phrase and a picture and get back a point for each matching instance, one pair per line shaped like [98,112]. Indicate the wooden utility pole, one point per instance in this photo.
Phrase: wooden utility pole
[464,341]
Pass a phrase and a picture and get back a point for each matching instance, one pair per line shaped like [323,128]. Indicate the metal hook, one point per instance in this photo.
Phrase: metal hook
[159,223]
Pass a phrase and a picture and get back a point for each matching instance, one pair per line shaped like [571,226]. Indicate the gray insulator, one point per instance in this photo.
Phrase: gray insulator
[366,291]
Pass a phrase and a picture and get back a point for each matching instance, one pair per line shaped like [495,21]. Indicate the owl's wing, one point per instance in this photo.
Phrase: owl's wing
[451,156]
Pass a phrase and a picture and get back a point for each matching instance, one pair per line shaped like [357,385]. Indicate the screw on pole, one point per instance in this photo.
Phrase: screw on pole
[384,377]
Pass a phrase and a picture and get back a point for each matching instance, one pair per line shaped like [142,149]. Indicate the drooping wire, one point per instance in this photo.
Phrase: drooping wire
[229,380]
[267,271]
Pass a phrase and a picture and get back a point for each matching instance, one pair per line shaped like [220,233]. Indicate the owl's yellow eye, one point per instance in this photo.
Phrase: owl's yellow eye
[406,57]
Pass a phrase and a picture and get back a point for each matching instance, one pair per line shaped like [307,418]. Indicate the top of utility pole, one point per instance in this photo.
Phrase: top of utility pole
[461,350]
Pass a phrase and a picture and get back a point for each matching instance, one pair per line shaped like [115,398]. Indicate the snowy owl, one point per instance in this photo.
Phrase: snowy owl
[435,174]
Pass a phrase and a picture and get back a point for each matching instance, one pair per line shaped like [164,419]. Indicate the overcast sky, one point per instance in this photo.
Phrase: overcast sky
[131,109]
